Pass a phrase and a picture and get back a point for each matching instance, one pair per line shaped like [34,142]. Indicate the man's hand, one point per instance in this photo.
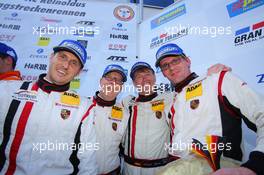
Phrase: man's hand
[218,68]
[234,171]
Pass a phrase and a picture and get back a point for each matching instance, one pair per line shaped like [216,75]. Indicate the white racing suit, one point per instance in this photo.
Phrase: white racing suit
[147,134]
[216,105]
[44,130]
[110,123]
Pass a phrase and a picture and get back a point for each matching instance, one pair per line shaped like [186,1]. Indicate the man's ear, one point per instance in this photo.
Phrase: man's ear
[188,61]
[8,61]
[52,56]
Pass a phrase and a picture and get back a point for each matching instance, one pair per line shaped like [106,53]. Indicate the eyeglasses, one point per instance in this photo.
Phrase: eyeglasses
[114,79]
[174,62]
[72,63]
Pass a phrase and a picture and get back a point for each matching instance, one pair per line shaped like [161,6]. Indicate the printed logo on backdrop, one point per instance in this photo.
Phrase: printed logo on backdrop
[85,23]
[119,27]
[45,30]
[167,37]
[43,41]
[249,34]
[13,17]
[9,26]
[117,59]
[7,37]
[84,43]
[241,6]
[117,47]
[124,13]
[41,67]
[29,77]
[168,16]
[122,37]
[39,54]
[261,78]
[49,20]
[84,33]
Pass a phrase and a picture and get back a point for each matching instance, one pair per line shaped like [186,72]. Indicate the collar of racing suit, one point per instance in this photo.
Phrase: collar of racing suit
[179,86]
[48,87]
[102,102]
[143,98]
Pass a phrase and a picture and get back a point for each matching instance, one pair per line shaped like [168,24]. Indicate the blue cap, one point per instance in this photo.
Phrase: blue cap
[139,65]
[115,68]
[167,50]
[74,47]
[5,49]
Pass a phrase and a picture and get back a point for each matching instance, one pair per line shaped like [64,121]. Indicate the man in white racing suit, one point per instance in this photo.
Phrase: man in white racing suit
[110,119]
[148,129]
[44,126]
[212,105]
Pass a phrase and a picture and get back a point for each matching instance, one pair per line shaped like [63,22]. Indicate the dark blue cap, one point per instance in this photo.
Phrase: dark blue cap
[74,47]
[5,49]
[115,68]
[139,65]
[167,50]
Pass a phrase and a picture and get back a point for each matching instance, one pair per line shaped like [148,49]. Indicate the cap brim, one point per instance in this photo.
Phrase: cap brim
[119,71]
[62,48]
[139,67]
[166,55]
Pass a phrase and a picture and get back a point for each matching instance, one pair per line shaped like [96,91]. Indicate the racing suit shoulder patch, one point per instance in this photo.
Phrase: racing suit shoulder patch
[194,90]
[70,98]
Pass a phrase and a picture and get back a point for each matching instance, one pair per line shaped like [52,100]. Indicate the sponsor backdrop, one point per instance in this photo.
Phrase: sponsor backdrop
[33,27]
[229,32]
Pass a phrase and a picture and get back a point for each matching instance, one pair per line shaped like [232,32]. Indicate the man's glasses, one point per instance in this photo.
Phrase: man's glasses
[174,62]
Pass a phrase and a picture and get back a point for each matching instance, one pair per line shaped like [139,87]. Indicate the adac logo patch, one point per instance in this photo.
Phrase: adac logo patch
[25,95]
[65,114]
[193,91]
[117,113]
[70,98]
[157,105]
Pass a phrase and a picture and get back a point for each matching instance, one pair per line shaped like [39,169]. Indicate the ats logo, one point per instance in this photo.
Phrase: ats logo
[249,34]
[261,78]
[117,59]
[242,6]
[166,37]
